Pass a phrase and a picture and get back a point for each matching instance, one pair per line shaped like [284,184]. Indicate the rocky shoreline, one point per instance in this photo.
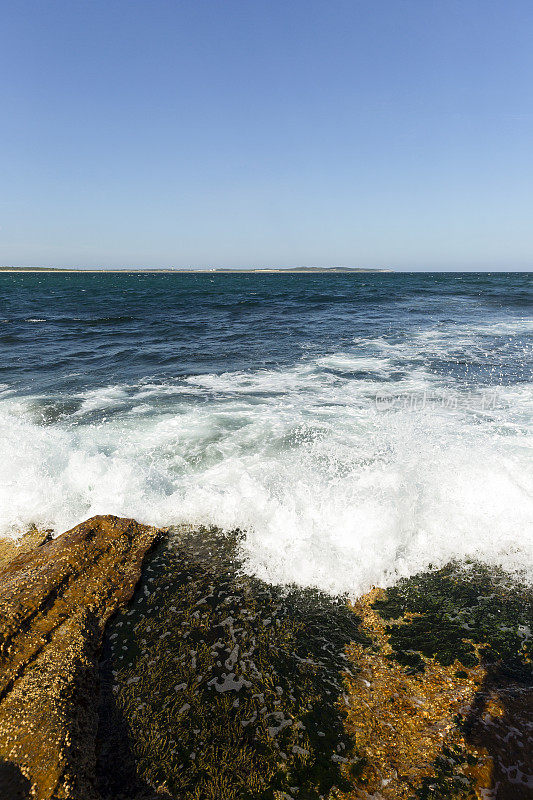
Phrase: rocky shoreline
[137,663]
[55,599]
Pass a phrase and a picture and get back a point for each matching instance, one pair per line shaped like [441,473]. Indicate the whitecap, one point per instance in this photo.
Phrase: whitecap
[332,489]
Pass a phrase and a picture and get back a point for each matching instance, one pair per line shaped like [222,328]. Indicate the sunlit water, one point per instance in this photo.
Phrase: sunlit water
[357,427]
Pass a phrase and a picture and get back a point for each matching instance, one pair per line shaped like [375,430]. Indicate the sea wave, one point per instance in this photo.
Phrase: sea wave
[332,488]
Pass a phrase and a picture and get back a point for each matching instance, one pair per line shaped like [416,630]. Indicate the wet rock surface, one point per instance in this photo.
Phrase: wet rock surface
[55,599]
[442,705]
[217,685]
[210,683]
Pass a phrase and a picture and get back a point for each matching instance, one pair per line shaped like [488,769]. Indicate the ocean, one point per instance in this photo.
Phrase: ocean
[356,427]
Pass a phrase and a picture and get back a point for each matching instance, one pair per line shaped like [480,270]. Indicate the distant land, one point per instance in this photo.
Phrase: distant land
[223,270]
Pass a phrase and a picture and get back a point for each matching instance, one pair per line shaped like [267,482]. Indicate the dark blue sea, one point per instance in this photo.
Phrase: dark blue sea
[356,427]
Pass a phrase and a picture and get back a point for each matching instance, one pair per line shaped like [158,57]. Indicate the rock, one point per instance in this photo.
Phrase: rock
[214,684]
[401,720]
[11,548]
[440,706]
[55,599]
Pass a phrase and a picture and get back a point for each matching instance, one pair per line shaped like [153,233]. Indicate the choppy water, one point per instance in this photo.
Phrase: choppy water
[358,427]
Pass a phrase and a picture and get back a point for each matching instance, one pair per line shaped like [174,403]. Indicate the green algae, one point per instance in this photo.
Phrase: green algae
[216,684]
[465,612]
[473,614]
[448,781]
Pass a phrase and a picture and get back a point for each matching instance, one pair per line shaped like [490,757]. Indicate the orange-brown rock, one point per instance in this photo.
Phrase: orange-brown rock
[10,548]
[401,722]
[55,599]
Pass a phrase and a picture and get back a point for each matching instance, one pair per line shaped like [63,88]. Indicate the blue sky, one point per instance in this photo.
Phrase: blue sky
[394,133]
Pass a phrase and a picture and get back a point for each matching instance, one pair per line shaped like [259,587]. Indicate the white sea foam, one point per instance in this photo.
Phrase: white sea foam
[333,489]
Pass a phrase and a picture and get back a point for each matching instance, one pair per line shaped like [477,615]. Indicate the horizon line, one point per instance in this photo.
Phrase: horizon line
[255,270]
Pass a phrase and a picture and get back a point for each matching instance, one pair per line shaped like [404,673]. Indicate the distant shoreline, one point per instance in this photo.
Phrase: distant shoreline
[214,271]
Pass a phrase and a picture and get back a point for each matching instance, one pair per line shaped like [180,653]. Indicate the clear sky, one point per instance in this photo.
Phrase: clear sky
[394,133]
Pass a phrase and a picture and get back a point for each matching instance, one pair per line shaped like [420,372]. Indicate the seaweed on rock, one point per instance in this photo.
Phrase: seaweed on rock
[469,613]
[217,684]
[470,626]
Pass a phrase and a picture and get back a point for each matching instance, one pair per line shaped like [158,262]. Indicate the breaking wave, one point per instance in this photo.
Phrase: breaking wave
[344,470]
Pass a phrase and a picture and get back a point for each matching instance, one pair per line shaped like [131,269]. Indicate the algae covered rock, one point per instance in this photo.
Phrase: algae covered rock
[218,685]
[441,705]
[404,720]
[467,612]
[55,599]
[135,666]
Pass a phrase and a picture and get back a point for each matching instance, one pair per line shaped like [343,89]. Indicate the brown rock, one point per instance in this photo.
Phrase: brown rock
[11,548]
[401,722]
[55,599]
